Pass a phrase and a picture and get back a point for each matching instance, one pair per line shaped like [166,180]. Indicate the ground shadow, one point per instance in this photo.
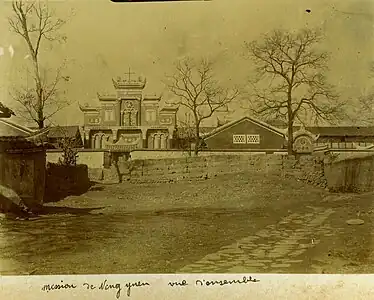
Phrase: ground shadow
[95,188]
[52,210]
[58,194]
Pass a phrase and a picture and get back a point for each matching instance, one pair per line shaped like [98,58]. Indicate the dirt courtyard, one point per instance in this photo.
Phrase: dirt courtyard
[241,223]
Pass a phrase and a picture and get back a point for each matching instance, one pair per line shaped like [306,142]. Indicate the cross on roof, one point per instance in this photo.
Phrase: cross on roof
[129,73]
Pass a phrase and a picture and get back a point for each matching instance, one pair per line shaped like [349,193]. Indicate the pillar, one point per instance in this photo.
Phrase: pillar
[133,118]
[92,142]
[163,141]
[118,113]
[157,141]
[114,135]
[104,140]
[101,140]
[87,140]
[170,139]
[144,138]
[151,142]
[97,141]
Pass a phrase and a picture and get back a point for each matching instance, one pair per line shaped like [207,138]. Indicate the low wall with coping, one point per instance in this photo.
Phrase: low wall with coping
[353,173]
[161,154]
[94,159]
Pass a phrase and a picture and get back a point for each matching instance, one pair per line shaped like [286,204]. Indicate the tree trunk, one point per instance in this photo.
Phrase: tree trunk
[39,92]
[40,124]
[197,139]
[290,122]
[40,114]
[290,138]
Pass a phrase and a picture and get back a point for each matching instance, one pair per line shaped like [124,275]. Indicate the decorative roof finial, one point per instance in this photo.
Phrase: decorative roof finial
[129,73]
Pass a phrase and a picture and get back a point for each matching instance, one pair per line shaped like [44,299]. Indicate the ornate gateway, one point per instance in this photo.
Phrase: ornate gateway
[303,144]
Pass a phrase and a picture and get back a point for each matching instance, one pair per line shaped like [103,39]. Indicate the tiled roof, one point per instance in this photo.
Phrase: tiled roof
[251,119]
[18,143]
[332,130]
[277,123]
[342,131]
[63,131]
[10,129]
[183,132]
[57,132]
[5,112]
[12,138]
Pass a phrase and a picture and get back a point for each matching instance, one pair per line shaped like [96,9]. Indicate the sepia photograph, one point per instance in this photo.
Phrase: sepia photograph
[179,137]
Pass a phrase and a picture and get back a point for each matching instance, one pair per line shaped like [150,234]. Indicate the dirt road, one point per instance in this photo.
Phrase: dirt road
[235,223]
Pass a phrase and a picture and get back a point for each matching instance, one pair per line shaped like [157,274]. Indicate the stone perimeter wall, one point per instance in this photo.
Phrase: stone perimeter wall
[91,158]
[159,168]
[339,171]
[306,168]
[165,154]
[351,174]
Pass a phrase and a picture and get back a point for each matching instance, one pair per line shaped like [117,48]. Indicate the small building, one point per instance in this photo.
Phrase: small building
[128,119]
[335,137]
[53,136]
[343,137]
[57,134]
[22,163]
[245,133]
[332,137]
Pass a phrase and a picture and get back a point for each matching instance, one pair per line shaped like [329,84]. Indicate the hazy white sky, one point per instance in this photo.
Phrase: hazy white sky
[105,39]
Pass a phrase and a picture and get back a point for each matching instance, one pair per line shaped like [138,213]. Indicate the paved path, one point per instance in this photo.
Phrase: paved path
[275,248]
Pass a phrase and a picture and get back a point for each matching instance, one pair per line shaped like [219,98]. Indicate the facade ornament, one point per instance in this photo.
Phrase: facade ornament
[304,140]
[302,131]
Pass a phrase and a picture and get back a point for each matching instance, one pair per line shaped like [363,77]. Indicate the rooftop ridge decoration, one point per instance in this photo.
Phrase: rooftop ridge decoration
[120,83]
[87,107]
[106,95]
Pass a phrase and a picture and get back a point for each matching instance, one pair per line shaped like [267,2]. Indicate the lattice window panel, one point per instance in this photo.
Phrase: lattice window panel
[253,139]
[238,138]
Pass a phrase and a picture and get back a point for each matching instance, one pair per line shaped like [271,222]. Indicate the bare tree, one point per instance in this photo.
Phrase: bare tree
[36,23]
[198,92]
[294,70]
[186,134]
[363,108]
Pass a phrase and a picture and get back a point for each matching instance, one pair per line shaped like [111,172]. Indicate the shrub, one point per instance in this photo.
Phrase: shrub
[70,154]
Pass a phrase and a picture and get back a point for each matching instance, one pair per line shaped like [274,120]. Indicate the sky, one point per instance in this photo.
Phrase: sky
[104,39]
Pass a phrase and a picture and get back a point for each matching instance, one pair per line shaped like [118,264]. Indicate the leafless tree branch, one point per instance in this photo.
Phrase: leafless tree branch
[294,68]
[35,23]
[195,88]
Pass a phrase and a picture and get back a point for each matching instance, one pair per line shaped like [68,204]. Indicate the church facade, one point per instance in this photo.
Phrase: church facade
[128,119]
